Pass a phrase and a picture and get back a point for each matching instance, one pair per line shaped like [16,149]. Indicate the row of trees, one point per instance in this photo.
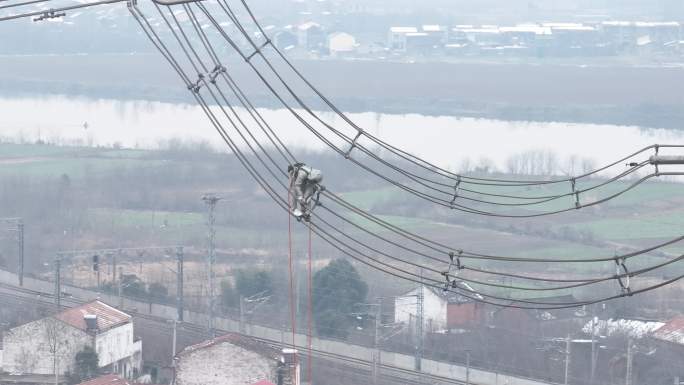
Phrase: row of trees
[336,289]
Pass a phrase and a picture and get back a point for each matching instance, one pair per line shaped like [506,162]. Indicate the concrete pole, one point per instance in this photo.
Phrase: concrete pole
[58,282]
[20,235]
[592,374]
[211,201]
[242,314]
[467,367]
[179,283]
[568,345]
[120,287]
[173,343]
[376,342]
[419,328]
[630,353]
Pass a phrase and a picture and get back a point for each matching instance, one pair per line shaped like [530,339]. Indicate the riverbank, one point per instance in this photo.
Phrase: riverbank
[622,95]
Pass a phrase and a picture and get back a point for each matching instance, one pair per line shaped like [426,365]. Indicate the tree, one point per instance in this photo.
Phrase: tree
[57,342]
[251,282]
[86,365]
[229,297]
[158,291]
[132,286]
[336,289]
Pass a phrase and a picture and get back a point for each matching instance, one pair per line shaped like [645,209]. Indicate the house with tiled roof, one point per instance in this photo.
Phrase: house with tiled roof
[235,359]
[50,345]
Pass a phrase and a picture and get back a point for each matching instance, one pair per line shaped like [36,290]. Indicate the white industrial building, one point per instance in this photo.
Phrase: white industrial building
[406,308]
[340,43]
[234,359]
[51,344]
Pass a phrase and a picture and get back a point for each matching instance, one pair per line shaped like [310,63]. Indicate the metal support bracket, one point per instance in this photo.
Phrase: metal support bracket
[258,50]
[218,70]
[622,275]
[576,193]
[452,256]
[49,14]
[195,87]
[353,144]
[457,189]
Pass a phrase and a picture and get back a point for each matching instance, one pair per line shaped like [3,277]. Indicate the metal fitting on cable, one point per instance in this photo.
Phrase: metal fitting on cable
[622,275]
[457,189]
[258,50]
[195,87]
[353,144]
[49,14]
[219,69]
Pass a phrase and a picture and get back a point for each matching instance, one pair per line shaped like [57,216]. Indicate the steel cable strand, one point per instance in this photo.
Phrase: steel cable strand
[214,120]
[432,199]
[584,283]
[445,249]
[429,166]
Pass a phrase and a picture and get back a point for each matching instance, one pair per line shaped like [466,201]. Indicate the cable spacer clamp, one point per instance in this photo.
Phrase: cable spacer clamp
[457,189]
[622,275]
[195,87]
[49,14]
[353,144]
[219,69]
[258,50]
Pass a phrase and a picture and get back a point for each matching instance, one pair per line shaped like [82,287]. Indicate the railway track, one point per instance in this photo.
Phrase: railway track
[359,367]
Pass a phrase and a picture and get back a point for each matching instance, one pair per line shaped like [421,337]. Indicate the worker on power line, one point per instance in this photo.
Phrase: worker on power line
[305,188]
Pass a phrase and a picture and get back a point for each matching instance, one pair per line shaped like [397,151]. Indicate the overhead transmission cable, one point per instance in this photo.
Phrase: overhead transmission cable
[233,146]
[449,197]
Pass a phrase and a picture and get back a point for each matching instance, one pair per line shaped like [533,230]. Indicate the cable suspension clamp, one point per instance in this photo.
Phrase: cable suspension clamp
[218,70]
[657,170]
[258,50]
[195,87]
[576,193]
[353,144]
[49,14]
[622,275]
[457,189]
[447,274]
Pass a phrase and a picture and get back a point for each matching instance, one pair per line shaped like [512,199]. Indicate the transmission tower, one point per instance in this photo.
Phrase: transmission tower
[211,200]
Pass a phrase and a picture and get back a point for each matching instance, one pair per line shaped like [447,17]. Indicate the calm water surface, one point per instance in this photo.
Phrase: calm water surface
[447,141]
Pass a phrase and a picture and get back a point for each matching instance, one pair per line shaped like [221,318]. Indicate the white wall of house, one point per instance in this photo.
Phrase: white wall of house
[224,364]
[27,348]
[434,309]
[116,345]
[341,42]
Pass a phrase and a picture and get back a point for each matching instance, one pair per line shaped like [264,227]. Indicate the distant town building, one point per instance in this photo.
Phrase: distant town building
[38,346]
[233,359]
[398,36]
[441,310]
[311,36]
[340,43]
[285,40]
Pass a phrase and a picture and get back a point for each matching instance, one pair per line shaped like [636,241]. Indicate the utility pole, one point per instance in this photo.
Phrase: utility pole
[58,282]
[419,327]
[211,200]
[376,342]
[242,314]
[179,282]
[630,353]
[19,222]
[120,281]
[568,345]
[468,367]
[20,236]
[592,374]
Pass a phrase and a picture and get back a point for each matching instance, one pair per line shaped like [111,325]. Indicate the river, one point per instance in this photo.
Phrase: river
[446,141]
